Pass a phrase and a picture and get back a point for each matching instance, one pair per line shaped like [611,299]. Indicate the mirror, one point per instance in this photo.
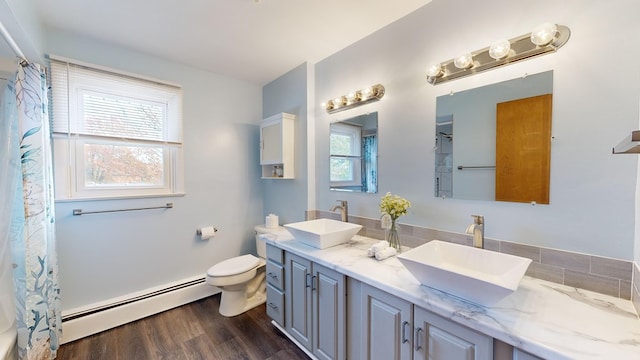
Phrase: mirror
[467,138]
[353,147]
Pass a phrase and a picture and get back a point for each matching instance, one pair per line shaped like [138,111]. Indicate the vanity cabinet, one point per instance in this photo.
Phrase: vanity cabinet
[332,316]
[277,146]
[504,351]
[382,326]
[385,325]
[315,299]
[275,284]
[437,338]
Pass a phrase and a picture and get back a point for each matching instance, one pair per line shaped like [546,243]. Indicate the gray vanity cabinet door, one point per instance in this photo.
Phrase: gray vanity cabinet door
[437,338]
[329,318]
[386,325]
[298,298]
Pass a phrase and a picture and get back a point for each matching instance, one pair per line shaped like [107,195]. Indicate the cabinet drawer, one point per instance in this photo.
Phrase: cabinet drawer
[275,254]
[275,275]
[275,304]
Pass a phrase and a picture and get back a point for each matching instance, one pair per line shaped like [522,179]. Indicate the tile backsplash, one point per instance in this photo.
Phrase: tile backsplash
[599,274]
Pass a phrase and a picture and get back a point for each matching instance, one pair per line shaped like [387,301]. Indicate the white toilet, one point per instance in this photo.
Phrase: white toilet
[241,279]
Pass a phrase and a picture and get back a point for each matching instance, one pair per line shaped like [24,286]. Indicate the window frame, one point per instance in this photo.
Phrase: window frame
[69,136]
[355,157]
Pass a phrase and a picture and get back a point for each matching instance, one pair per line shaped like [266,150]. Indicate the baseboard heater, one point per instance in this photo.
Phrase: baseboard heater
[131,300]
[94,318]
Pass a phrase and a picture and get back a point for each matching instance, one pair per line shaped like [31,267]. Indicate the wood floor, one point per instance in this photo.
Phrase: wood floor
[192,331]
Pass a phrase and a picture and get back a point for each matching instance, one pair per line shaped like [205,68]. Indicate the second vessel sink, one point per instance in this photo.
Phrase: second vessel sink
[323,233]
[480,276]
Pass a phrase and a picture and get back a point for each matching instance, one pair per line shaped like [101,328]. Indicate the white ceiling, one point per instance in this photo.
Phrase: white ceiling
[250,40]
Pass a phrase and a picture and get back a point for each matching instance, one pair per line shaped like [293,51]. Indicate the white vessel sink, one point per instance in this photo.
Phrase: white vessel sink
[323,233]
[480,276]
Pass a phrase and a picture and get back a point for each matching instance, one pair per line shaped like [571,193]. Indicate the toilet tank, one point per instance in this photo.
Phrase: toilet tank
[261,245]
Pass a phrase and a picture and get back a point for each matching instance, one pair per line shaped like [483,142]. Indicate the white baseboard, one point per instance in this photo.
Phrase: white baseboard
[96,322]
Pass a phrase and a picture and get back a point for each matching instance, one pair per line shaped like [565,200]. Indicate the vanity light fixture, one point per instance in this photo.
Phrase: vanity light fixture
[545,38]
[356,98]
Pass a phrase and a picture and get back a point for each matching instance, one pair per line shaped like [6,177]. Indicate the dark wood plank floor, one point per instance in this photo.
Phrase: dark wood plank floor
[192,331]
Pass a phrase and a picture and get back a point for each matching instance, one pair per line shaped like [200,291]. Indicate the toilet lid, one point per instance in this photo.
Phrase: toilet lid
[233,266]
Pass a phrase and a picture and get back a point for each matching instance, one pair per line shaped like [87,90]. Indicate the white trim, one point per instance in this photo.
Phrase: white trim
[311,137]
[96,322]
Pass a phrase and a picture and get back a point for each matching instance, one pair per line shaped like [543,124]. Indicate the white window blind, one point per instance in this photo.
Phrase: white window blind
[115,134]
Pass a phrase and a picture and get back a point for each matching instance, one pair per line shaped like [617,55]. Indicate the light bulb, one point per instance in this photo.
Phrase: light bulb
[463,61]
[435,71]
[499,49]
[544,34]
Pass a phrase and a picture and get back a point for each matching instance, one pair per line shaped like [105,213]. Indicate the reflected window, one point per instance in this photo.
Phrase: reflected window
[346,158]
[353,148]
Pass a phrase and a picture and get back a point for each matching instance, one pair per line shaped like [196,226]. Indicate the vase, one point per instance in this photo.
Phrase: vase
[392,236]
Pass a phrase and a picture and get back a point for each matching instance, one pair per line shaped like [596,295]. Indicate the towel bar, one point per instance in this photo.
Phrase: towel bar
[77,212]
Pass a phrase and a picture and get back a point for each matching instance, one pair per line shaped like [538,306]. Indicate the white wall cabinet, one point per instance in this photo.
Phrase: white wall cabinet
[277,146]
[315,307]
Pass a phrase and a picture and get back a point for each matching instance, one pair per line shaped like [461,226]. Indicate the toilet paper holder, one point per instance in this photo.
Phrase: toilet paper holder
[199,231]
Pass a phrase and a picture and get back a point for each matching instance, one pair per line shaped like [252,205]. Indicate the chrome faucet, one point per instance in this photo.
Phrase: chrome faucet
[477,229]
[344,209]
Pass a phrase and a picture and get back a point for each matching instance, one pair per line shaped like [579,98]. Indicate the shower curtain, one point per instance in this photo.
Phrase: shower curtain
[370,151]
[28,212]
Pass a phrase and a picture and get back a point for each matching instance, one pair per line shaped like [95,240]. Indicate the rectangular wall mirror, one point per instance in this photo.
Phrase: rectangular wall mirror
[353,146]
[494,142]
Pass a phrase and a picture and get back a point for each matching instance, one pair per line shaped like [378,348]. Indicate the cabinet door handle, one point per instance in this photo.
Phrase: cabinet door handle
[404,332]
[308,281]
[418,346]
[273,306]
[273,276]
[314,283]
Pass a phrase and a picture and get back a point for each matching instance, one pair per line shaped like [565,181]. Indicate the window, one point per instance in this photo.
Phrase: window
[114,134]
[345,148]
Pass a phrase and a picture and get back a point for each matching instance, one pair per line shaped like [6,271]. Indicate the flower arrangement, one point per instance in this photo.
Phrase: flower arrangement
[394,205]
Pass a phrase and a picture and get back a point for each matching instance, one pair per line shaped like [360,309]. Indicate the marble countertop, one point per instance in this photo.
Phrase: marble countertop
[546,319]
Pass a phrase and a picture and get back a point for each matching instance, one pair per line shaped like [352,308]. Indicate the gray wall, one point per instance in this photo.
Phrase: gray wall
[592,206]
[288,94]
[107,255]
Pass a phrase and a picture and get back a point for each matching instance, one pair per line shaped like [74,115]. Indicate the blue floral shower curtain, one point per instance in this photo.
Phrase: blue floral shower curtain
[28,161]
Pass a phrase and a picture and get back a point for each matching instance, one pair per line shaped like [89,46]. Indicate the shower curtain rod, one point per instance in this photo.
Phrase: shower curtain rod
[12,44]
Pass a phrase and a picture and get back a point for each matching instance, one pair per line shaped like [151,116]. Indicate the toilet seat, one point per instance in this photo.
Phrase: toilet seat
[234,271]
[234,266]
